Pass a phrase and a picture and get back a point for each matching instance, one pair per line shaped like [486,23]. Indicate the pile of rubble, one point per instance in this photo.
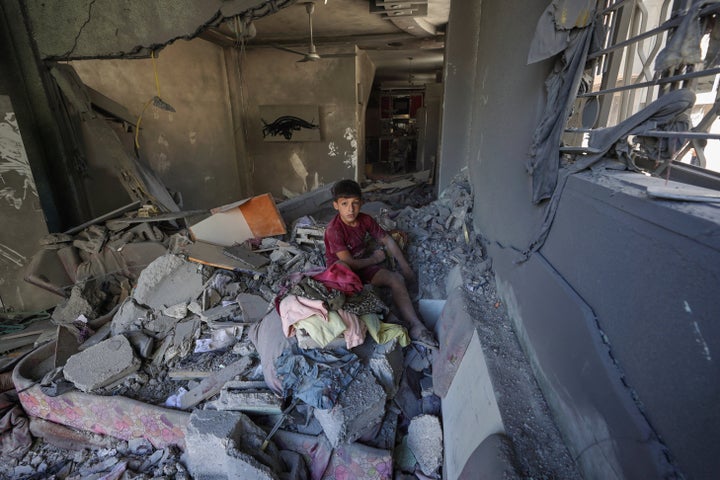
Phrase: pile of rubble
[249,396]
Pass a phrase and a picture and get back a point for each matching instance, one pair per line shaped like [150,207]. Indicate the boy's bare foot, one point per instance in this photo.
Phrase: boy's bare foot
[422,336]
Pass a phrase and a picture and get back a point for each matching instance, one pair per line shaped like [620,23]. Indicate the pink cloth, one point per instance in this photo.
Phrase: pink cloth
[355,331]
[293,309]
[339,276]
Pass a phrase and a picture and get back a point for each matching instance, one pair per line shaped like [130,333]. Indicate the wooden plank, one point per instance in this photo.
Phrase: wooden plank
[32,329]
[214,383]
[209,254]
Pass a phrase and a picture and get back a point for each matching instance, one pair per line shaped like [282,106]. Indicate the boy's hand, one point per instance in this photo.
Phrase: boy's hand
[378,255]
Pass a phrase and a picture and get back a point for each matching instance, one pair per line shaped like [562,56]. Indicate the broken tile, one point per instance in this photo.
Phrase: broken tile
[102,364]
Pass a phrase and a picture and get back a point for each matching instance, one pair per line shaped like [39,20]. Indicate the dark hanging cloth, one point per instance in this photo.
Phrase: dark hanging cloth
[566,26]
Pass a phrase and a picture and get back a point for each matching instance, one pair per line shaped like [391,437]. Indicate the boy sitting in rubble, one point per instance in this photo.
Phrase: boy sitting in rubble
[345,241]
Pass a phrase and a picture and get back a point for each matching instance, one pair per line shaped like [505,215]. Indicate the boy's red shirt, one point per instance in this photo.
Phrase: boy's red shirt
[339,236]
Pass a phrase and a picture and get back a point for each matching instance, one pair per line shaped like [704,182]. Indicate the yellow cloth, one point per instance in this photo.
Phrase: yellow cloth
[383,332]
[323,332]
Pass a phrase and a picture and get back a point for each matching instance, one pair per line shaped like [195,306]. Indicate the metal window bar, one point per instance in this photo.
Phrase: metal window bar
[624,69]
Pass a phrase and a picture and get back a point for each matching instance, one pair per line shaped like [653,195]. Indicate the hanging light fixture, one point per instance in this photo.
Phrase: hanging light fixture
[156,100]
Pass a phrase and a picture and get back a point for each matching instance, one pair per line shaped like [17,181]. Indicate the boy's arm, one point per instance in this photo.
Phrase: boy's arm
[392,247]
[359,263]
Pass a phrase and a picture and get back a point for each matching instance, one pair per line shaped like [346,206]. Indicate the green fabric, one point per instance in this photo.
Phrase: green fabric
[323,332]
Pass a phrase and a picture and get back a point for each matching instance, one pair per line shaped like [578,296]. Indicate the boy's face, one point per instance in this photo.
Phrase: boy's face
[348,208]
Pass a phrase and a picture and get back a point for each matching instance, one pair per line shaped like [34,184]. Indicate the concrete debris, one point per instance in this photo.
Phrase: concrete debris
[359,408]
[129,317]
[74,307]
[227,445]
[262,402]
[425,440]
[167,281]
[101,365]
[179,331]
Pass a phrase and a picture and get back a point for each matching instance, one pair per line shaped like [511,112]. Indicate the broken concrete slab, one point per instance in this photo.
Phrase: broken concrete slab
[182,339]
[129,317]
[75,306]
[248,401]
[143,344]
[254,307]
[167,281]
[425,440]
[359,408]
[102,364]
[218,446]
[231,224]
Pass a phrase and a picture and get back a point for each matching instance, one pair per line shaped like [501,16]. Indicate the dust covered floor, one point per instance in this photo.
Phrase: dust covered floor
[440,242]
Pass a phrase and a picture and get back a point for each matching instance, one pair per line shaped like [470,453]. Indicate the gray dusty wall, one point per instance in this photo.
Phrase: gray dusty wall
[192,150]
[271,77]
[461,54]
[616,312]
[112,28]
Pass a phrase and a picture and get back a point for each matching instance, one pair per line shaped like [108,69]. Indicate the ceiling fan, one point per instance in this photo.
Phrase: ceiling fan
[311,55]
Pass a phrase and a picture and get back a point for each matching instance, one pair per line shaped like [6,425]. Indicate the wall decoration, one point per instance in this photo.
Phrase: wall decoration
[296,123]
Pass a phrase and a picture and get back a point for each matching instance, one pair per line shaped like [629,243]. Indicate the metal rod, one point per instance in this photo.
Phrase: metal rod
[653,83]
[656,133]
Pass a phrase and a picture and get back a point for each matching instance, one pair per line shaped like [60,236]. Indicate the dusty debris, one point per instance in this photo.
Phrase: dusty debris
[168,281]
[102,364]
[425,441]
[174,302]
[227,445]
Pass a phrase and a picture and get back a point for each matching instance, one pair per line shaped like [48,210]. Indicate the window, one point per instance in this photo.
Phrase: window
[644,50]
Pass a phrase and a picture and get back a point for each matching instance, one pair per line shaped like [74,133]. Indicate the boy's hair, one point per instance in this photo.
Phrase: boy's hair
[346,189]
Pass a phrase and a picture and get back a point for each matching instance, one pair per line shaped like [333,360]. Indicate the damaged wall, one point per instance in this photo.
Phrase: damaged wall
[81,29]
[192,149]
[328,84]
[615,310]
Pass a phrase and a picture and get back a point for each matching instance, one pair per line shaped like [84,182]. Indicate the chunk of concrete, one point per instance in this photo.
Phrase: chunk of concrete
[386,364]
[129,317]
[426,442]
[254,307]
[265,403]
[167,281]
[227,445]
[359,408]
[102,364]
[73,307]
[143,344]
